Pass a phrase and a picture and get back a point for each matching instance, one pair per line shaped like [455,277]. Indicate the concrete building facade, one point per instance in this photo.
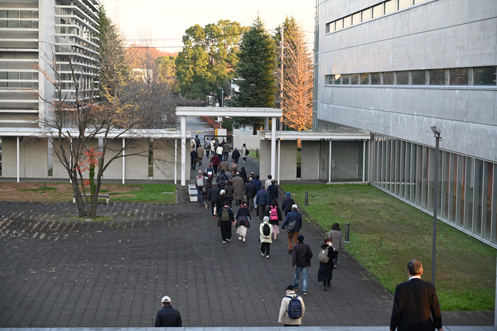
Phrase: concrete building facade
[398,67]
[37,35]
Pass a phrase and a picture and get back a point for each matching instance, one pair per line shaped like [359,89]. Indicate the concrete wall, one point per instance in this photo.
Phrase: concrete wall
[33,161]
[440,34]
[252,142]
[115,169]
[137,165]
[288,159]
[310,160]
[164,160]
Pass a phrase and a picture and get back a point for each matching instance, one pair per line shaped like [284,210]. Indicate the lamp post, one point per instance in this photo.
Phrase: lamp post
[437,133]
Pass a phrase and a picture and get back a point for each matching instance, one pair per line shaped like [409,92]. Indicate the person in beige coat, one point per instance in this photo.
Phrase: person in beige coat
[265,239]
[239,187]
[283,317]
[200,153]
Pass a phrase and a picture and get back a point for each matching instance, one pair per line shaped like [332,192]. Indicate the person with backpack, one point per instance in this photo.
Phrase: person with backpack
[287,204]
[337,238]
[199,184]
[242,220]
[292,225]
[325,258]
[275,216]
[209,171]
[225,219]
[265,231]
[301,260]
[292,308]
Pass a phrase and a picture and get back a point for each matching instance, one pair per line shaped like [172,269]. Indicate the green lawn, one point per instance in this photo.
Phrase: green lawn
[160,193]
[385,233]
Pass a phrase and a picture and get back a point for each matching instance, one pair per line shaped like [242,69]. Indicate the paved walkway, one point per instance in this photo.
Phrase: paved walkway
[56,272]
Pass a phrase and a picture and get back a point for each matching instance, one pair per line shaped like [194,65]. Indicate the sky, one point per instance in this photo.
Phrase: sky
[165,21]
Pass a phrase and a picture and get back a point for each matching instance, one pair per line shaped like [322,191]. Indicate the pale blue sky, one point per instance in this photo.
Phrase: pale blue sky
[167,20]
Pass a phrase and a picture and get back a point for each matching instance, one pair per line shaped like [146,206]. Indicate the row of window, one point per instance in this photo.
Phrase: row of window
[369,13]
[467,195]
[477,76]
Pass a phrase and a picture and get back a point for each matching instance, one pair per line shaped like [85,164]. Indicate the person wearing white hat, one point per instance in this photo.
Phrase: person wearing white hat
[168,316]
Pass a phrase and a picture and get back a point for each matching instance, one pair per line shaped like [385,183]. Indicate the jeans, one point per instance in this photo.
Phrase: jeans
[220,157]
[200,198]
[298,270]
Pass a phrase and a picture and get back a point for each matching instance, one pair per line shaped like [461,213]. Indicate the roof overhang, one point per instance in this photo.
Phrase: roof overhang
[228,111]
[317,135]
[112,134]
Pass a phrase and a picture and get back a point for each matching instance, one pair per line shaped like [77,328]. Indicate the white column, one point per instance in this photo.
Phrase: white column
[273,146]
[175,161]
[363,160]
[266,124]
[279,160]
[329,161]
[183,150]
[18,159]
[124,160]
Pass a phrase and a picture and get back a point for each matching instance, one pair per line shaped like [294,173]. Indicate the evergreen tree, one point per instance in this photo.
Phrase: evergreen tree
[256,71]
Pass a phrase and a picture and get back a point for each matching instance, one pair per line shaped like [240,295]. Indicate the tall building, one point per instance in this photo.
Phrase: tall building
[35,37]
[398,67]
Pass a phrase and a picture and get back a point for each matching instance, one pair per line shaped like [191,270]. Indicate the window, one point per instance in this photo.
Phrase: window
[367,14]
[379,10]
[419,1]
[364,79]
[354,79]
[402,78]
[484,76]
[459,76]
[347,21]
[329,79]
[388,78]
[404,4]
[345,79]
[437,77]
[339,25]
[390,6]
[376,78]
[337,79]
[356,18]
[418,77]
[328,27]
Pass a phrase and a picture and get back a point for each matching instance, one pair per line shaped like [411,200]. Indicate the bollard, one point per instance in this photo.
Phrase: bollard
[256,152]
[307,198]
[347,230]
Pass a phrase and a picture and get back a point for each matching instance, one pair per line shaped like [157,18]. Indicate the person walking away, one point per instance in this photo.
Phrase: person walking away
[222,197]
[168,316]
[243,174]
[239,187]
[224,165]
[226,151]
[292,225]
[242,221]
[214,199]
[261,200]
[205,192]
[233,166]
[193,159]
[268,182]
[215,163]
[287,204]
[250,193]
[219,152]
[325,257]
[244,153]
[199,184]
[207,146]
[197,141]
[301,260]
[200,154]
[275,216]
[235,156]
[209,171]
[336,236]
[230,190]
[415,305]
[225,220]
[294,315]
[272,190]
[213,146]
[193,144]
[265,230]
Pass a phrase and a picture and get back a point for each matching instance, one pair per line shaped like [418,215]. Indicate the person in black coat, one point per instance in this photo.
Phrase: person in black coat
[416,306]
[325,273]
[213,197]
[272,190]
[193,159]
[235,155]
[168,316]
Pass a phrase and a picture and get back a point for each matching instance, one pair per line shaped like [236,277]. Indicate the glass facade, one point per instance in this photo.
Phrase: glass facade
[467,196]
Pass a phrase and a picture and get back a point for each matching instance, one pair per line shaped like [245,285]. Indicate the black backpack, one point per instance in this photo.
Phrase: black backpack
[294,310]
[265,230]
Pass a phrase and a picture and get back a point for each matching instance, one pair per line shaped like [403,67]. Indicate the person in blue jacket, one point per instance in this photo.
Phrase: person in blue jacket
[292,225]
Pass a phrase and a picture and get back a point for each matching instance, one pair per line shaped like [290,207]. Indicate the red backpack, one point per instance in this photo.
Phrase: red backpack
[274,213]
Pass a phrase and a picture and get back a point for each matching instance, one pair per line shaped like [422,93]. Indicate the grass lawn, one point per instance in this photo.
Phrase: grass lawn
[386,233]
[62,192]
[252,154]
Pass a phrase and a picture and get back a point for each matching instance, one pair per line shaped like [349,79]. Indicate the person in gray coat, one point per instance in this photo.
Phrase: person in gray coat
[239,187]
[337,238]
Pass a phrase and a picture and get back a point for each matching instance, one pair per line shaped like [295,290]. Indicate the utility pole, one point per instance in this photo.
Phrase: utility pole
[281,81]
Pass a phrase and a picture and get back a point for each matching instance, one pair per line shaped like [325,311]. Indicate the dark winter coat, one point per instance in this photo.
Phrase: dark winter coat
[272,191]
[208,186]
[262,198]
[302,255]
[286,202]
[293,215]
[213,194]
[325,272]
[168,316]
[250,190]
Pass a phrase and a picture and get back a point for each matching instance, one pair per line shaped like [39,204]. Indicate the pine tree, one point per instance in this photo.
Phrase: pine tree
[256,71]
